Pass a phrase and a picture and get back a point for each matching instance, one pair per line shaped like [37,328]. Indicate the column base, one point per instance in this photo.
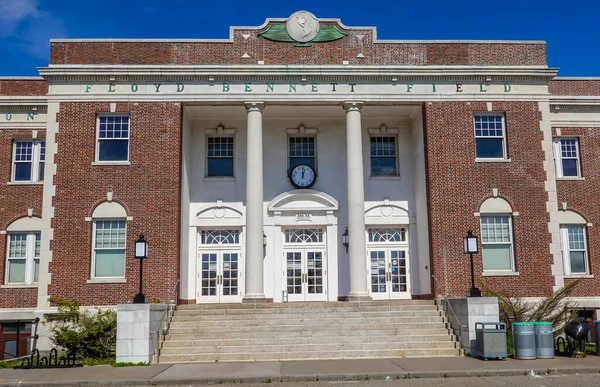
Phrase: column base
[358,298]
[254,300]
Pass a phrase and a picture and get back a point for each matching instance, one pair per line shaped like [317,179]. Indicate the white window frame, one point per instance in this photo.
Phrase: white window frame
[29,258]
[512,242]
[93,268]
[396,156]
[219,135]
[35,160]
[564,243]
[503,137]
[98,139]
[289,157]
[558,158]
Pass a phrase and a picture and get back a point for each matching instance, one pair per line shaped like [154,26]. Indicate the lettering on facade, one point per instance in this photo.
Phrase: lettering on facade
[18,116]
[303,217]
[295,87]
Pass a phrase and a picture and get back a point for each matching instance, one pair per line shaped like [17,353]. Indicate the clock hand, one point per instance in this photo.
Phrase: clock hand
[303,172]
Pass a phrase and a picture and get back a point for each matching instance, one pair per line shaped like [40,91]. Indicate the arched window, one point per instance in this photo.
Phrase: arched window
[23,242]
[573,240]
[497,245]
[109,241]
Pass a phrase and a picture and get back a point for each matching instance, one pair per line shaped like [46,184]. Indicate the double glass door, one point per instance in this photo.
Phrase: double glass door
[389,273]
[305,274]
[219,277]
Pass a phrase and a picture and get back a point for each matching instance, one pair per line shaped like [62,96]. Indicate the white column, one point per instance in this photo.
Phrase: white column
[356,204]
[254,205]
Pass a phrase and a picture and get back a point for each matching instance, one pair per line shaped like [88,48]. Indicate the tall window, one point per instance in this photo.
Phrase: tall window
[566,154]
[219,157]
[109,249]
[383,156]
[497,243]
[113,138]
[490,138]
[23,258]
[302,150]
[574,247]
[29,157]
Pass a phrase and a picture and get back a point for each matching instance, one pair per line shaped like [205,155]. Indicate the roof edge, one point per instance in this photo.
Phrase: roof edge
[22,78]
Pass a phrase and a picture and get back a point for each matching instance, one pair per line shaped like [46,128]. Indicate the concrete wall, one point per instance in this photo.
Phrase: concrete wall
[463,313]
[138,331]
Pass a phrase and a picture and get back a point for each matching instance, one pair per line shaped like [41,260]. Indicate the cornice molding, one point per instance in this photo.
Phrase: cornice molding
[299,74]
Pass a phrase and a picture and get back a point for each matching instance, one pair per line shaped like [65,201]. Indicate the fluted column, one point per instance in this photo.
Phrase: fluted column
[356,204]
[254,205]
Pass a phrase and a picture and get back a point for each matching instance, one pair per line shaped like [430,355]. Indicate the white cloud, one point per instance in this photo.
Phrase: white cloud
[26,27]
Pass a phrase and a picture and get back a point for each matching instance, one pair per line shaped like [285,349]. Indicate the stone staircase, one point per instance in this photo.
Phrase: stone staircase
[300,331]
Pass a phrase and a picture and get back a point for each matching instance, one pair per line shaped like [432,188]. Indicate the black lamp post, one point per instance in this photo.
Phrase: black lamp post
[472,247]
[141,253]
[346,240]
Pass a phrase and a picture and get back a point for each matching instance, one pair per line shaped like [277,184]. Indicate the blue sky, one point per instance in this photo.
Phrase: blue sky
[570,28]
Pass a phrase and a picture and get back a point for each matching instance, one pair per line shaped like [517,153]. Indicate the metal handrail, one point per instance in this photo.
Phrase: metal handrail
[166,320]
[445,297]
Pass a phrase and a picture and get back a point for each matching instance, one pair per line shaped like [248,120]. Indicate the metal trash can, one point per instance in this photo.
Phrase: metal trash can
[544,340]
[490,340]
[524,340]
[597,328]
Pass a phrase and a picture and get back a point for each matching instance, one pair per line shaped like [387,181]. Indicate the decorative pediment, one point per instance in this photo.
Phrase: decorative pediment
[303,200]
[395,212]
[219,212]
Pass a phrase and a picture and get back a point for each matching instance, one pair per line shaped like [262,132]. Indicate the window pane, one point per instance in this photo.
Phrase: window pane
[302,160]
[36,272]
[41,169]
[23,171]
[489,148]
[496,257]
[16,271]
[112,150]
[110,263]
[577,261]
[114,127]
[576,238]
[569,167]
[383,166]
[220,167]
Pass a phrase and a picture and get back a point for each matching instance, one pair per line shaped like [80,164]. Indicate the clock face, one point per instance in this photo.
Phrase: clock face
[302,176]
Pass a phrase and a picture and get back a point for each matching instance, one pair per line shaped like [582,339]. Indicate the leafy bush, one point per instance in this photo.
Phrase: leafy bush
[88,334]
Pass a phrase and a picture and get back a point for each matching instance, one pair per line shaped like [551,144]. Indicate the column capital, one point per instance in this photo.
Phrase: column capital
[353,105]
[254,106]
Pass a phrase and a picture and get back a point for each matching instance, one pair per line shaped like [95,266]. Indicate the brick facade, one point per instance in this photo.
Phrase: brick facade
[23,87]
[575,87]
[16,200]
[458,185]
[255,48]
[148,188]
[581,196]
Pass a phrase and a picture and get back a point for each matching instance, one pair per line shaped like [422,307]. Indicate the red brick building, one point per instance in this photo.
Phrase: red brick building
[240,162]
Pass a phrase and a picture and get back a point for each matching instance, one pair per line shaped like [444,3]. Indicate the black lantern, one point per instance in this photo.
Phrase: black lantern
[471,246]
[346,240]
[141,253]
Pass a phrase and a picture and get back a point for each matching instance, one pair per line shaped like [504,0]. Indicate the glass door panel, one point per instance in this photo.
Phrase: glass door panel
[378,274]
[208,277]
[389,274]
[314,279]
[305,275]
[294,275]
[220,277]
[398,271]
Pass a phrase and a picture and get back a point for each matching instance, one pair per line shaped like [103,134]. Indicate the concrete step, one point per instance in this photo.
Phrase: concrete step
[307,321]
[331,304]
[307,347]
[360,331]
[277,356]
[303,310]
[359,325]
[198,316]
[194,342]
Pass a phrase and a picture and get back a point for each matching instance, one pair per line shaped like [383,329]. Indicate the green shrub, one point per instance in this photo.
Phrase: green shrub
[88,334]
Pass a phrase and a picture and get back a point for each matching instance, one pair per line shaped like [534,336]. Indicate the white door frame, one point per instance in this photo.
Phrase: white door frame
[388,247]
[303,249]
[220,250]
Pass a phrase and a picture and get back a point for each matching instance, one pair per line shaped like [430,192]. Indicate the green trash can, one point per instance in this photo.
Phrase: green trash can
[544,340]
[524,340]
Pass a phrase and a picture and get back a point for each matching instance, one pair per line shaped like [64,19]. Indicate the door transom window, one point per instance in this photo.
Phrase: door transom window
[304,235]
[219,237]
[387,235]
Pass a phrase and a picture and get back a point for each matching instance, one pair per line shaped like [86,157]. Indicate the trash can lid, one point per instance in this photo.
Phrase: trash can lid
[523,324]
[542,323]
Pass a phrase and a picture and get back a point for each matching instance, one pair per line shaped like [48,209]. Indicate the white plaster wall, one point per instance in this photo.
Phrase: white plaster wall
[332,179]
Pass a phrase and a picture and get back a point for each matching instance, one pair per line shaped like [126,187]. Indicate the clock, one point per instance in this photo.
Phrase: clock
[302,176]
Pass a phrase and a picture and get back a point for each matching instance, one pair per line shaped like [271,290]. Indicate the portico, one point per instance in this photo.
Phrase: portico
[289,246]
